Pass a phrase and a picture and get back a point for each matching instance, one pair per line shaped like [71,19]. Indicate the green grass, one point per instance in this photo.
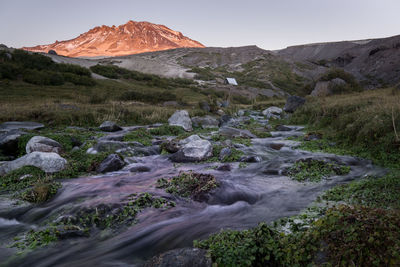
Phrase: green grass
[362,124]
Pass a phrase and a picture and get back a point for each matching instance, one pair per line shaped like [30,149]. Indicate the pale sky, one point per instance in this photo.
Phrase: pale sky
[267,24]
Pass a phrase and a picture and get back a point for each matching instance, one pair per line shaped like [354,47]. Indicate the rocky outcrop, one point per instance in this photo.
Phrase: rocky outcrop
[293,103]
[109,126]
[112,163]
[327,88]
[181,118]
[193,149]
[47,162]
[43,144]
[272,112]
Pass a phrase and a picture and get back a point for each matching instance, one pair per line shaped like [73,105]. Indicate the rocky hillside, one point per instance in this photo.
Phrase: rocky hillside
[130,38]
[375,62]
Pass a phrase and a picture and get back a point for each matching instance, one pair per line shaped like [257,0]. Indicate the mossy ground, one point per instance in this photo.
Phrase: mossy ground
[189,184]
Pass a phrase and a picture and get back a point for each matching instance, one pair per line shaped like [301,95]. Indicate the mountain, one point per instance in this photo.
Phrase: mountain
[130,38]
[375,62]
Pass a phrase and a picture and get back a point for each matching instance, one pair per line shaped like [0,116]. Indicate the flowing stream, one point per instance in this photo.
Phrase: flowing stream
[246,196]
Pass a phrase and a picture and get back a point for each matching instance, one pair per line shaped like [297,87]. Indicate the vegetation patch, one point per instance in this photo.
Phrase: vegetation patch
[235,155]
[315,170]
[41,70]
[371,192]
[189,184]
[365,124]
[259,246]
[140,135]
[360,236]
[41,192]
[107,216]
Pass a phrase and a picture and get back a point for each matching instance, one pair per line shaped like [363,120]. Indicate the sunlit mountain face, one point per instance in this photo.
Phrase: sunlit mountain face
[130,38]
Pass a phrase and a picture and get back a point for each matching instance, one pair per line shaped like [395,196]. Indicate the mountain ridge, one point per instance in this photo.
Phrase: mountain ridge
[126,39]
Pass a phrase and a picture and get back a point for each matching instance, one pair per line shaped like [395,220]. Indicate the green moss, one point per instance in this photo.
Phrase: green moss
[235,155]
[140,135]
[189,184]
[22,178]
[315,170]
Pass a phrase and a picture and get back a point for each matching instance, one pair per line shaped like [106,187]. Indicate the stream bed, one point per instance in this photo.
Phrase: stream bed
[247,195]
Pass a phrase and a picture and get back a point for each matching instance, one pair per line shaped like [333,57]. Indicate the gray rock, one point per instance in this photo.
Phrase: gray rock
[220,112]
[250,159]
[224,168]
[183,257]
[241,112]
[112,163]
[224,120]
[293,103]
[15,125]
[48,162]
[189,139]
[205,122]
[43,144]
[109,126]
[272,112]
[225,152]
[181,118]
[225,104]
[233,132]
[205,106]
[9,142]
[106,146]
[321,89]
[282,128]
[193,151]
[140,168]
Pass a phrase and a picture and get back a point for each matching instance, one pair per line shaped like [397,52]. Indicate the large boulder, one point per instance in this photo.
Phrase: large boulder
[109,126]
[9,142]
[181,118]
[47,162]
[15,125]
[233,132]
[272,112]
[112,163]
[194,150]
[293,103]
[205,122]
[43,144]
